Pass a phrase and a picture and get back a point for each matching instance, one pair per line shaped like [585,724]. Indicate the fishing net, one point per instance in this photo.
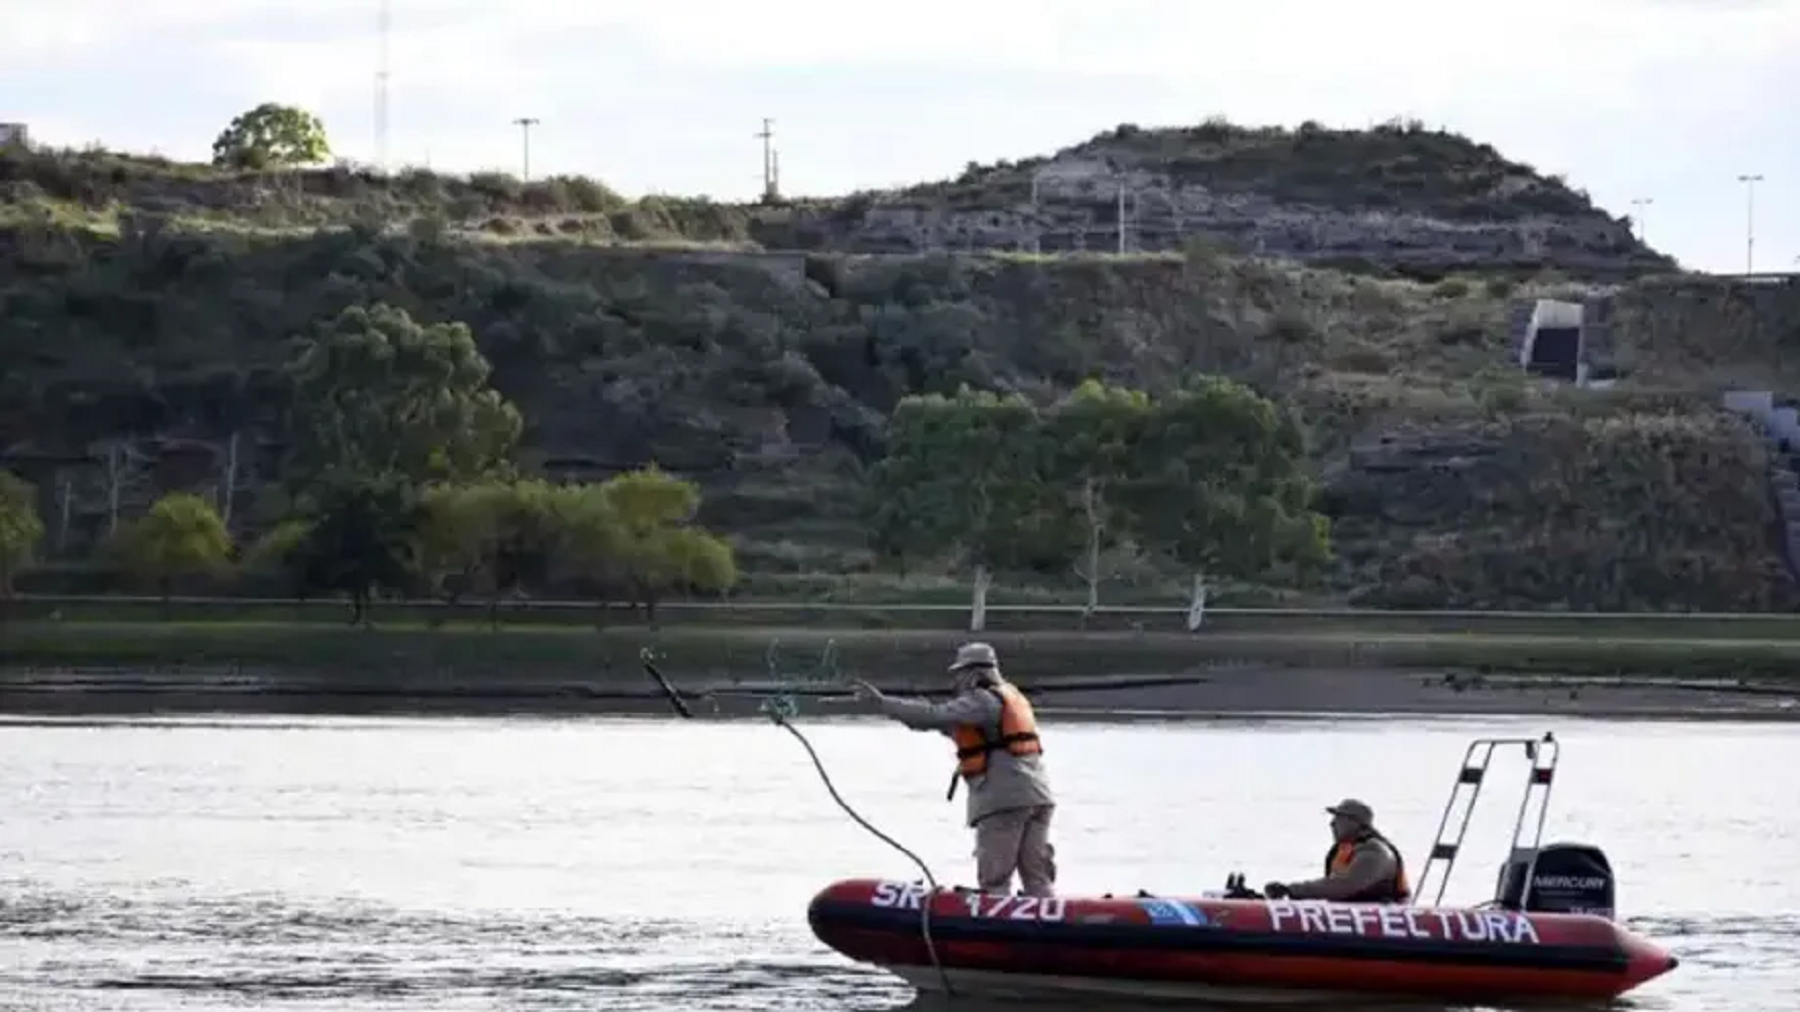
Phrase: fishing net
[790,678]
[787,679]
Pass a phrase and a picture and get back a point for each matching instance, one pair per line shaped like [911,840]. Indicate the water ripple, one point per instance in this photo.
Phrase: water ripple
[259,948]
[520,865]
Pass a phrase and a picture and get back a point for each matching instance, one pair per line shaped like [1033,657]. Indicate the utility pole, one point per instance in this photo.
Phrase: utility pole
[1037,223]
[771,167]
[383,29]
[1637,215]
[525,123]
[1750,182]
[1121,218]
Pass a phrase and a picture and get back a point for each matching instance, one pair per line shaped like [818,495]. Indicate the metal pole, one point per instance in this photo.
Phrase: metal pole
[1121,219]
[767,135]
[525,123]
[1750,182]
[1637,215]
[1037,227]
[383,29]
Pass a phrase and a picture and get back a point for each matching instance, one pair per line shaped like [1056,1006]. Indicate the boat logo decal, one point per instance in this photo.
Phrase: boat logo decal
[1162,911]
[898,895]
[1315,917]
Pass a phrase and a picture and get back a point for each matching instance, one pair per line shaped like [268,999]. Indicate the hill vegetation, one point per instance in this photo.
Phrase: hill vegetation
[1397,198]
[148,312]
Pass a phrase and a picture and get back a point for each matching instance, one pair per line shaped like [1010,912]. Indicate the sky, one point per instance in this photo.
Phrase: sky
[1666,100]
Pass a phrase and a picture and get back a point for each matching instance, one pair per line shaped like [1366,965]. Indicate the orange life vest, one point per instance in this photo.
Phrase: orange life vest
[1397,890]
[1018,734]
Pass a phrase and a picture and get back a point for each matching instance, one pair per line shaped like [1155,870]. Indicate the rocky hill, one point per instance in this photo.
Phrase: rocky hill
[143,306]
[1395,198]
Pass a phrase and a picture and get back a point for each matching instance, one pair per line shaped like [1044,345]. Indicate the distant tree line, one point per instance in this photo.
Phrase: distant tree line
[402,478]
[1211,478]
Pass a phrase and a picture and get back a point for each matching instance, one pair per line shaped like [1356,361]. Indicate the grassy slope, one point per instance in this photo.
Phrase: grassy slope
[153,297]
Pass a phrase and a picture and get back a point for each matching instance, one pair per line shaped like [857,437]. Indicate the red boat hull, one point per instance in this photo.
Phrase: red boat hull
[1218,948]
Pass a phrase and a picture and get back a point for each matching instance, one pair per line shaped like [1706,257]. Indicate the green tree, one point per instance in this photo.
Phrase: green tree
[964,473]
[274,551]
[358,536]
[640,532]
[271,136]
[493,537]
[592,541]
[181,535]
[1093,438]
[20,528]
[1224,489]
[377,396]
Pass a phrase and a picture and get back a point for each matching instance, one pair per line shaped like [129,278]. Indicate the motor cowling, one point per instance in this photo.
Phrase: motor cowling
[1568,878]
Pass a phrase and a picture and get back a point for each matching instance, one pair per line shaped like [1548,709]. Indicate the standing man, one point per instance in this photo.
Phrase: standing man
[1000,756]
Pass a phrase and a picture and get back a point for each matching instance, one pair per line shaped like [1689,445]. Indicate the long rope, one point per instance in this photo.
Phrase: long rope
[779,709]
[778,713]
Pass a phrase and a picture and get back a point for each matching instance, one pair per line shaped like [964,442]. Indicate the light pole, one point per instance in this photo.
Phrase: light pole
[525,123]
[1750,182]
[1637,215]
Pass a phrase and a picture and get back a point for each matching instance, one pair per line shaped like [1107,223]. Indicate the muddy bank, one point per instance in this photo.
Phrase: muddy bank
[1232,691]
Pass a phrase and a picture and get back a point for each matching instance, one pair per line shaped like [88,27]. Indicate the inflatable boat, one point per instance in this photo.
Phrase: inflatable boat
[1548,934]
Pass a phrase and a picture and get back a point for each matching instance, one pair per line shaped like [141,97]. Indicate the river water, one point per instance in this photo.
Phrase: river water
[615,864]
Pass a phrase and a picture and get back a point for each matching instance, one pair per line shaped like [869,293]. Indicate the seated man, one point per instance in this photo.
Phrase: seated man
[1362,866]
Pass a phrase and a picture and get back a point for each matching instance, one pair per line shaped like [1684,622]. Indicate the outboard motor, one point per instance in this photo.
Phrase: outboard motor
[1570,878]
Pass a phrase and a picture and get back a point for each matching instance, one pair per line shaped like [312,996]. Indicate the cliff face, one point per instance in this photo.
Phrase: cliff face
[1395,198]
[139,344]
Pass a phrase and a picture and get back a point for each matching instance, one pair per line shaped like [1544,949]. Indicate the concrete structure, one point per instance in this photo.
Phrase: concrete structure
[1552,343]
[1781,425]
[14,134]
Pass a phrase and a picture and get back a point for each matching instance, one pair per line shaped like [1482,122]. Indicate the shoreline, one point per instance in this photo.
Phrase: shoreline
[404,654]
[1238,693]
[84,667]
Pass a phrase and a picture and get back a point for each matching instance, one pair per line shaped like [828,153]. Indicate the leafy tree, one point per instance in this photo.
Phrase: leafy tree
[378,396]
[181,534]
[274,551]
[493,536]
[1224,489]
[593,538]
[640,531]
[271,136]
[1093,437]
[965,473]
[360,536]
[20,528]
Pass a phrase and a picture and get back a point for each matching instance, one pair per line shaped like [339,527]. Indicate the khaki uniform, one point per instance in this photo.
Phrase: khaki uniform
[1372,864]
[1010,805]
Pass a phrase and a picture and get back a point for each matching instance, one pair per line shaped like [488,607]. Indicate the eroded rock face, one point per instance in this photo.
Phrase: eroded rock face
[1413,477]
[1072,202]
[1621,512]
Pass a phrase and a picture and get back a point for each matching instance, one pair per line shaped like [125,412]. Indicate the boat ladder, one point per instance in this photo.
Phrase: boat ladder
[1542,752]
